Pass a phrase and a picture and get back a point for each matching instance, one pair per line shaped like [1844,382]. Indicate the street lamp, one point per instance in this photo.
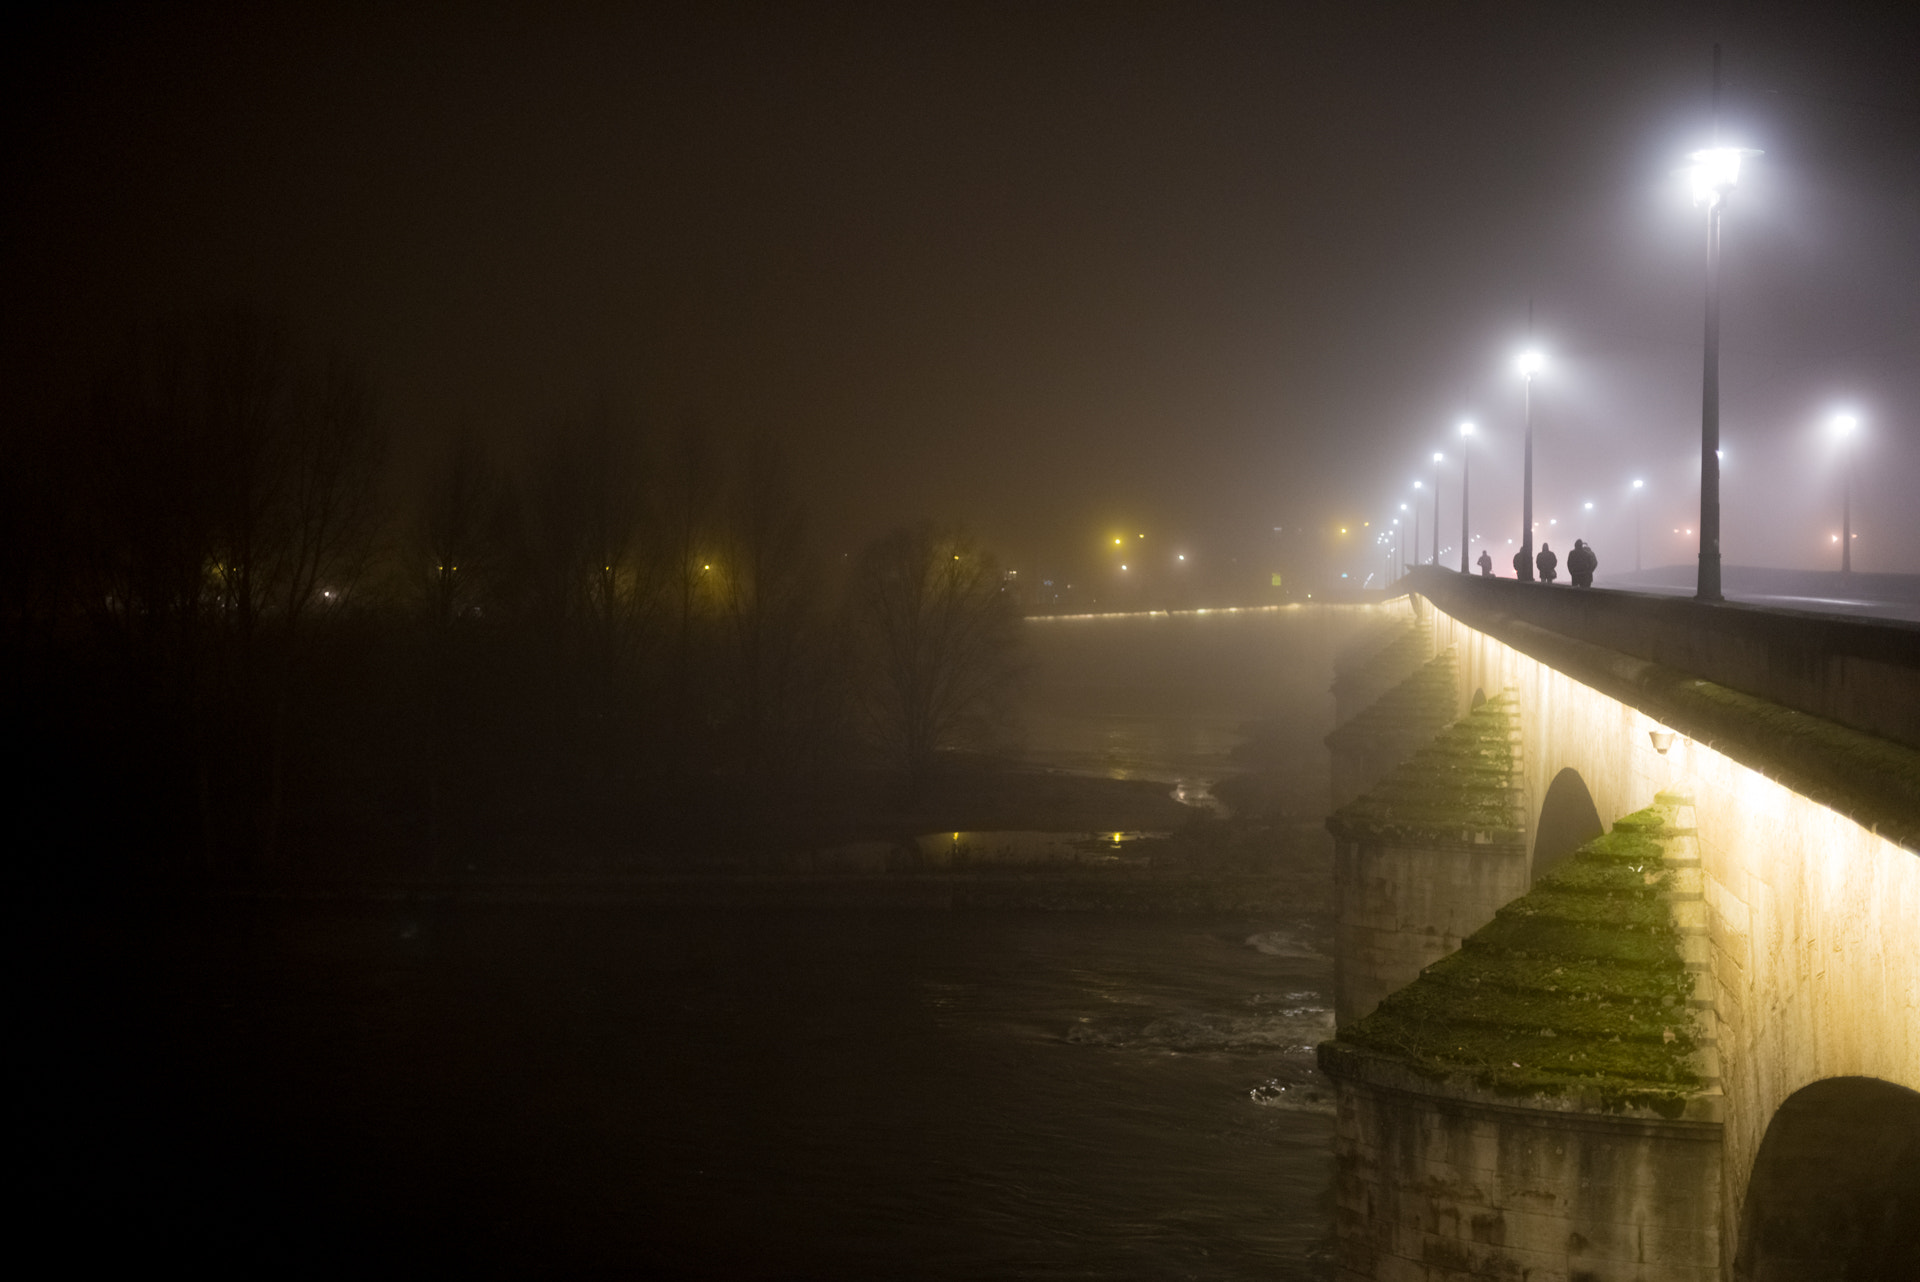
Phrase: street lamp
[1437,457]
[1844,425]
[1416,527]
[1714,174]
[1530,363]
[1637,487]
[1466,431]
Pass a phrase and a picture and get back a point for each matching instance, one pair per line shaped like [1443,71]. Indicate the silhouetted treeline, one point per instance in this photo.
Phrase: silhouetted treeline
[239,636]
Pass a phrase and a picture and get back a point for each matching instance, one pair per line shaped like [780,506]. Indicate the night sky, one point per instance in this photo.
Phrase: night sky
[1058,271]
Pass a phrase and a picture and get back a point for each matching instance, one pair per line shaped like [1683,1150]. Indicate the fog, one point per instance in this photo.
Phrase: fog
[1205,273]
[695,639]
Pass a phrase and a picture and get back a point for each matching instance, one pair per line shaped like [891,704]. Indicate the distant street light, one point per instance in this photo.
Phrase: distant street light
[1714,174]
[1637,487]
[1466,432]
[1530,363]
[1844,425]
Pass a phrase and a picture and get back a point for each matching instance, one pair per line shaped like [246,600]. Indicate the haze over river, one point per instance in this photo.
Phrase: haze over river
[633,1090]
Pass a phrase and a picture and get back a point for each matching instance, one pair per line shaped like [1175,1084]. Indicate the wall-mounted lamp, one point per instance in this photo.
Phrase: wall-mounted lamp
[1662,740]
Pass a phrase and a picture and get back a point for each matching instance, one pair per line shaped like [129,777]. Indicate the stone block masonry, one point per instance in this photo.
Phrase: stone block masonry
[1361,678]
[1427,857]
[1544,1103]
[1401,722]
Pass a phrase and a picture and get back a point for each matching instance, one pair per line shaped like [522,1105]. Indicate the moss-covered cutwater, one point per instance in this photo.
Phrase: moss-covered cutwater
[1578,986]
[1418,705]
[1464,781]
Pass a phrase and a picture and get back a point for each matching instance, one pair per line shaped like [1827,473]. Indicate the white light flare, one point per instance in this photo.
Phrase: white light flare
[1715,171]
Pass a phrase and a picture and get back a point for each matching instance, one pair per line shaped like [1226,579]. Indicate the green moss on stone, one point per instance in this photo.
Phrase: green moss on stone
[1420,705]
[1578,985]
[1463,781]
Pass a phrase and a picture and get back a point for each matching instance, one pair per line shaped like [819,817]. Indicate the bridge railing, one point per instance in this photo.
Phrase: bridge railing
[1860,673]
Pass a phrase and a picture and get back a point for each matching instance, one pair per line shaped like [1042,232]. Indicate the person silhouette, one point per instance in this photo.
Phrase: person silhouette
[1581,563]
[1547,562]
[1486,565]
[1520,564]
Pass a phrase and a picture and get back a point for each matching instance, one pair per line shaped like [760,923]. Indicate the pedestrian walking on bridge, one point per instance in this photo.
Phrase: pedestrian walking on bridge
[1581,563]
[1486,565]
[1548,563]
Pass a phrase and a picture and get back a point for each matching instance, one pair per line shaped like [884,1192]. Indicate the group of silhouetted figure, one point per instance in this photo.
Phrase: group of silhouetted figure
[1581,563]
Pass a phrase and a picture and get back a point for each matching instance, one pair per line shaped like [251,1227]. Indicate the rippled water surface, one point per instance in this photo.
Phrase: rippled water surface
[623,1090]
[637,1092]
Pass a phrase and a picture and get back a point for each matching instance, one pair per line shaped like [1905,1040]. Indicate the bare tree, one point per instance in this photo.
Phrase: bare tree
[453,549]
[321,524]
[939,642]
[687,532]
[767,590]
[591,579]
[231,491]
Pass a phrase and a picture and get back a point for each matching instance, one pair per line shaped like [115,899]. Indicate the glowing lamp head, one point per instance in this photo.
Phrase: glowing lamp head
[1638,484]
[1466,429]
[1845,424]
[1715,172]
[1530,363]
[1437,456]
[1589,507]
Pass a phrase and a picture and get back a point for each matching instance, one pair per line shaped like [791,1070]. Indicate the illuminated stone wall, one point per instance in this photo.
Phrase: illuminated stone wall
[1381,660]
[1427,856]
[1452,1183]
[1811,922]
[1401,906]
[1403,720]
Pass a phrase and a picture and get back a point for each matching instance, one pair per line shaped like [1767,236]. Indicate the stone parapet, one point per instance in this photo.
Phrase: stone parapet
[1800,733]
[1855,672]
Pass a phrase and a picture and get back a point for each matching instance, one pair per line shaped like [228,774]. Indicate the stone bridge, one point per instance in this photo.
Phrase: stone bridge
[1629,940]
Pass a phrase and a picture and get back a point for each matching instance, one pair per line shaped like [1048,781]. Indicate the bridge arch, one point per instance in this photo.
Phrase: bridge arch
[1568,820]
[1835,1190]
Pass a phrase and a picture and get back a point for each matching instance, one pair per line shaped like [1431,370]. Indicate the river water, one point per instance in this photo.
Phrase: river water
[622,1090]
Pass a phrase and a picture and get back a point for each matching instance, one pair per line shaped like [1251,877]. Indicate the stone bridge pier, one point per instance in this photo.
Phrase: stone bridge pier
[1628,954]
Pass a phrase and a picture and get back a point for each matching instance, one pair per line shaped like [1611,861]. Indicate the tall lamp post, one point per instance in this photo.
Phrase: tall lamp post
[1416,526]
[1638,485]
[1714,174]
[1437,457]
[1530,363]
[1466,431]
[1844,424]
